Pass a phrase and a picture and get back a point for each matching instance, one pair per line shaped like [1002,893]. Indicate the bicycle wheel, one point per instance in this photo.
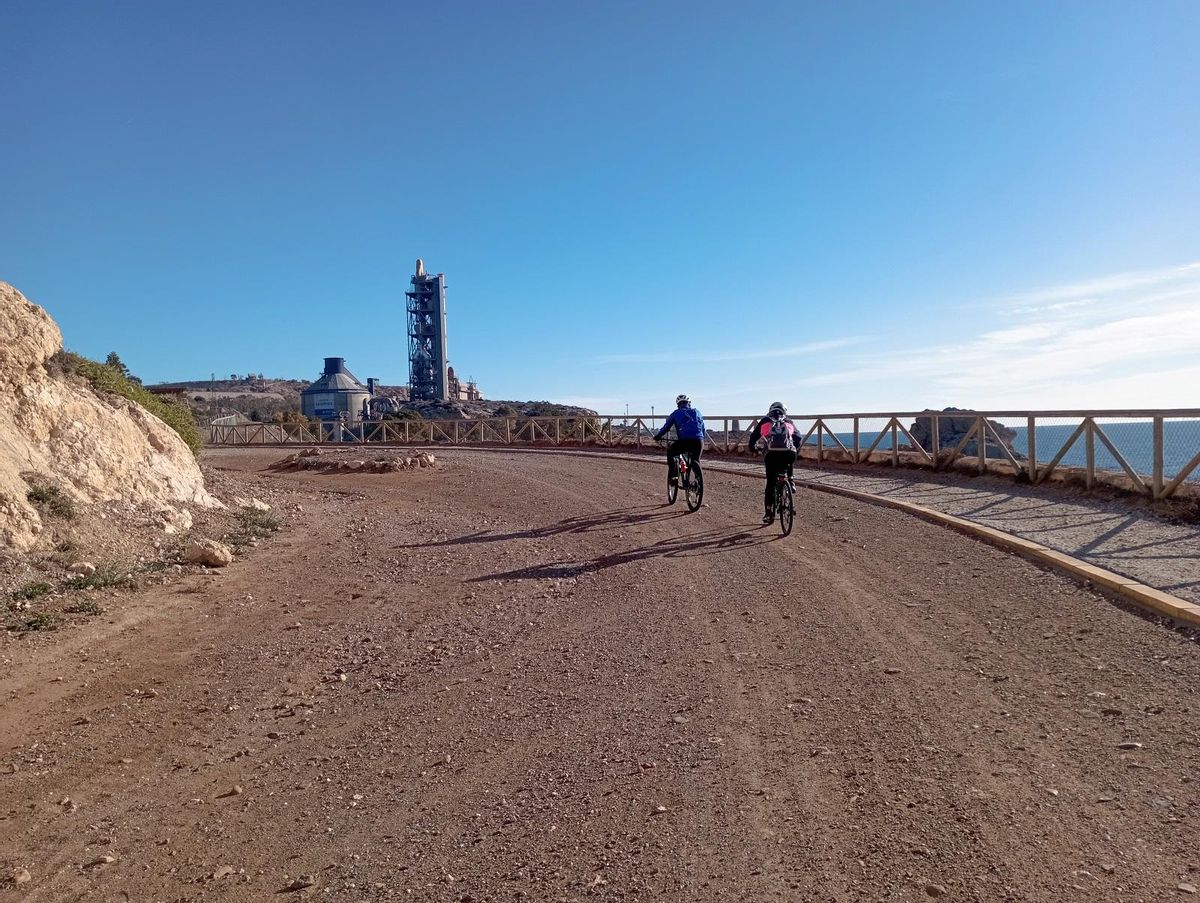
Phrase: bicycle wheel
[787,509]
[694,487]
[672,490]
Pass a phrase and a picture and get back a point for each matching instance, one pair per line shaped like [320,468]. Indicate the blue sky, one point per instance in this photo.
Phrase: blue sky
[851,206]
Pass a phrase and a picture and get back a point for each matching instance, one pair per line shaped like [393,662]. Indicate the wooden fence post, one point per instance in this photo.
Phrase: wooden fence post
[981,443]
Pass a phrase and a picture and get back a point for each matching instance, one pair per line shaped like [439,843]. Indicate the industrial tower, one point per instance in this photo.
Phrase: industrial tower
[427,362]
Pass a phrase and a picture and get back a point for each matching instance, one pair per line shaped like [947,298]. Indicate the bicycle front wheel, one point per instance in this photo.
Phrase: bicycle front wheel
[787,508]
[695,487]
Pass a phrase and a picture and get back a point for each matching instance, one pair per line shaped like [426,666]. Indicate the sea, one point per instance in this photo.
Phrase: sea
[1134,440]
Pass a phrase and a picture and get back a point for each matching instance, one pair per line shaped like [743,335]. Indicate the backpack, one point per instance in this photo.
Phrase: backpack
[690,424]
[779,437]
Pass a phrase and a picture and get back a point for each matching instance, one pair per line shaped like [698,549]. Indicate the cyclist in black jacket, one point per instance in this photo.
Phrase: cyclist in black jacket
[776,435]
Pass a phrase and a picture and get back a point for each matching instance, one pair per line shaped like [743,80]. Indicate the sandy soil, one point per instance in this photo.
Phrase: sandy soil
[519,677]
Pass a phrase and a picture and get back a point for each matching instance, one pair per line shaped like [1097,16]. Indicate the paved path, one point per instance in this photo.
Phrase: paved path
[1107,534]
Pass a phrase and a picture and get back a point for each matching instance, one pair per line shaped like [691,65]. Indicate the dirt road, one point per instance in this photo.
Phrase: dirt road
[519,677]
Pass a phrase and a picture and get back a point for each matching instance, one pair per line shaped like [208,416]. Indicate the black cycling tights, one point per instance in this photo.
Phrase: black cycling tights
[693,448]
[777,462]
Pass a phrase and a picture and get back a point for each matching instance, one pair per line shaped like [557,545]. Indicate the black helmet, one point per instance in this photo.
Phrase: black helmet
[777,407]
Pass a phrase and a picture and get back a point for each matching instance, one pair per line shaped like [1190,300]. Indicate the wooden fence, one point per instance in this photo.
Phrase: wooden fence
[1152,452]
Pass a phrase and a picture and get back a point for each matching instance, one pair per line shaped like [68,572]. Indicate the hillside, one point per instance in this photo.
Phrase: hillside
[65,444]
[262,398]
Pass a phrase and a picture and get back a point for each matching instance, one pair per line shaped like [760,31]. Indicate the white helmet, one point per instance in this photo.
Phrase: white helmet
[777,407]
[681,400]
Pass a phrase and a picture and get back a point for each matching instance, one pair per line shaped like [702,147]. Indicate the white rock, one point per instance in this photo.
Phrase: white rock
[86,568]
[208,552]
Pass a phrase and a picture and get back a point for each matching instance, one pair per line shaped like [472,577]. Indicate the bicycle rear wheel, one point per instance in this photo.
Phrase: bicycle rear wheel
[787,509]
[672,490]
[695,486]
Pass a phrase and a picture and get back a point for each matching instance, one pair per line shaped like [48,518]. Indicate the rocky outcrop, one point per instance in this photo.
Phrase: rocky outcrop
[92,448]
[313,459]
[951,431]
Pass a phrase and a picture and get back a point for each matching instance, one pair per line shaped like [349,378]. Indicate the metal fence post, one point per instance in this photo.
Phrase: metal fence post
[935,438]
[1157,476]
[1031,441]
[856,461]
[1089,438]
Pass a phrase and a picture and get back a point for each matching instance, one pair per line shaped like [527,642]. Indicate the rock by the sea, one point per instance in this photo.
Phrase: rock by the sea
[952,429]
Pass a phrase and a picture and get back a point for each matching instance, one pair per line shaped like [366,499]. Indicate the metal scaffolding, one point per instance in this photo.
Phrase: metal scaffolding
[427,359]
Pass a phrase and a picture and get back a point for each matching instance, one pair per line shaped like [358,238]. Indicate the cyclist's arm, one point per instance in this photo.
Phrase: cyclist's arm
[755,435]
[666,426]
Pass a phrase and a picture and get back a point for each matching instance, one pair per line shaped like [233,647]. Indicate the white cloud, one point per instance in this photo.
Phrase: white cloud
[702,357]
[1130,340]
[1085,290]
[1129,343]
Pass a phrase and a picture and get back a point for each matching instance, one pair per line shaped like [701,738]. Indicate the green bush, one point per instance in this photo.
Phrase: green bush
[52,498]
[403,414]
[253,524]
[106,575]
[31,591]
[39,621]
[115,381]
[87,607]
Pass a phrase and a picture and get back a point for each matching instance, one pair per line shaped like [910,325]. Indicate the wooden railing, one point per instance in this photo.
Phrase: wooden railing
[1152,452]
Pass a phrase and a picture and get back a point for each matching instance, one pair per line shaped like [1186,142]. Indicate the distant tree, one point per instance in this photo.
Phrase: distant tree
[289,417]
[255,416]
[114,362]
[233,377]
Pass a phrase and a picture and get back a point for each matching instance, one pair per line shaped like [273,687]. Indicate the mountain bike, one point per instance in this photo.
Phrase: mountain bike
[785,507]
[691,478]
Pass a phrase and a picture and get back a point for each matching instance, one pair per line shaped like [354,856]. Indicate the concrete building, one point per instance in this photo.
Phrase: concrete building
[460,391]
[337,395]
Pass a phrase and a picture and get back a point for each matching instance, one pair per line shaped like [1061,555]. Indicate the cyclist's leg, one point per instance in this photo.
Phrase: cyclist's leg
[695,448]
[672,467]
[791,456]
[772,464]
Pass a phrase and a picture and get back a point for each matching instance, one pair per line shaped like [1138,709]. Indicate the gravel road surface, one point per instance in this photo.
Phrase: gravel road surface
[520,677]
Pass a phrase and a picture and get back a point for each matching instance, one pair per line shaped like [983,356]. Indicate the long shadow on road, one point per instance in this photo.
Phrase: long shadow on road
[590,523]
[706,542]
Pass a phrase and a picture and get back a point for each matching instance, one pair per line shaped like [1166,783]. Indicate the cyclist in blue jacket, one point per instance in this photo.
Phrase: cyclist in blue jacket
[689,431]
